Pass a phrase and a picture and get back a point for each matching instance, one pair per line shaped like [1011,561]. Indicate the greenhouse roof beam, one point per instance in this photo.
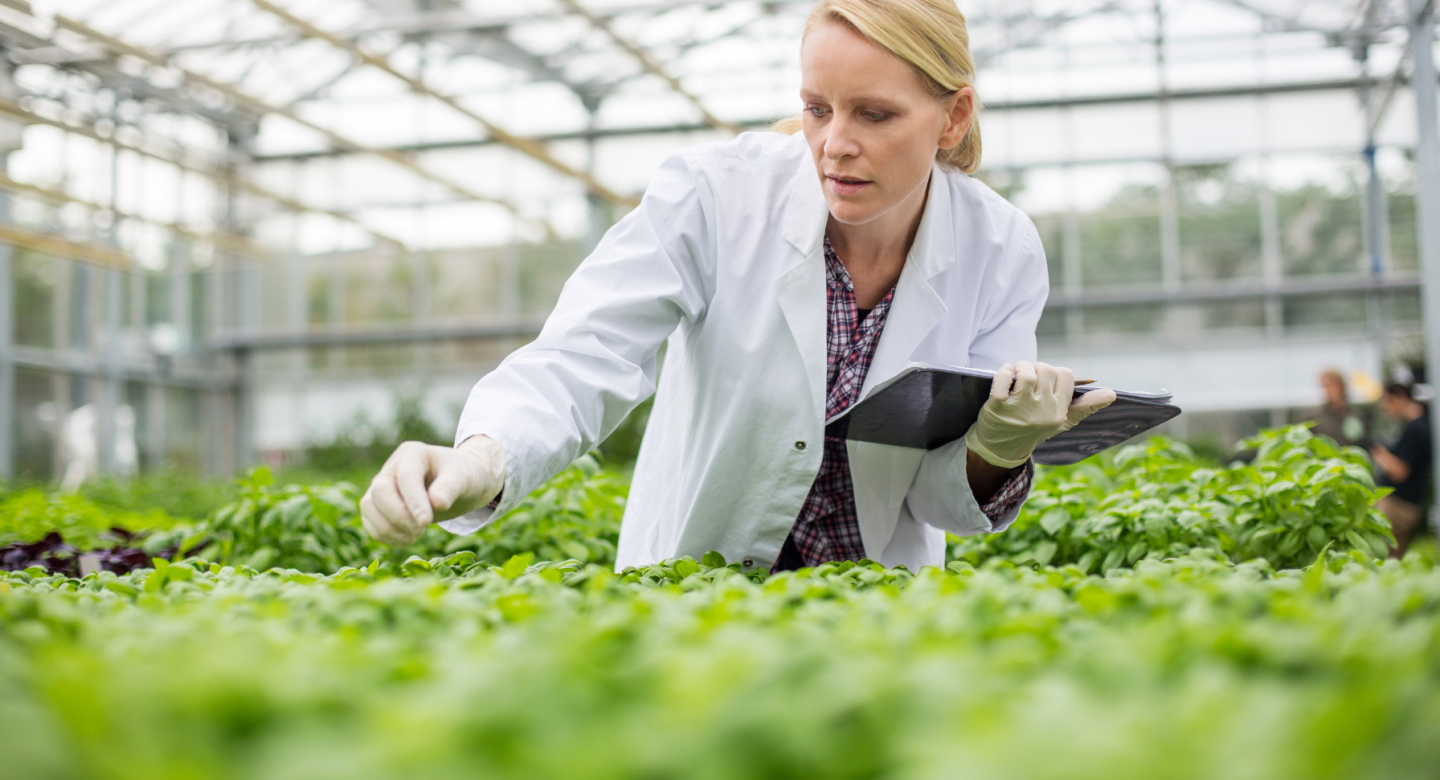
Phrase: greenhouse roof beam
[261,107]
[451,21]
[179,161]
[526,146]
[1209,93]
[525,328]
[650,65]
[495,46]
[1042,26]
[530,327]
[31,48]
[1240,290]
[220,238]
[90,254]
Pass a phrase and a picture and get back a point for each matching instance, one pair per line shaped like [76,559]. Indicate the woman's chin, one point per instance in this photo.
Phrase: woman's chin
[849,212]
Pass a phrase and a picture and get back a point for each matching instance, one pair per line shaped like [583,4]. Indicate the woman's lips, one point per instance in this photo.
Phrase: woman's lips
[842,187]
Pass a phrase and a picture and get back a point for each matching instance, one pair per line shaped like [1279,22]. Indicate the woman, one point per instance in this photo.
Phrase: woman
[790,274]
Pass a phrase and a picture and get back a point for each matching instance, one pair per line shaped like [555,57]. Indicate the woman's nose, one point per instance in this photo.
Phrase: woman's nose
[840,140]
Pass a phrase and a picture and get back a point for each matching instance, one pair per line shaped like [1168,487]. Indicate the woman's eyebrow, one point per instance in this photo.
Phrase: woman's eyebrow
[863,100]
[877,102]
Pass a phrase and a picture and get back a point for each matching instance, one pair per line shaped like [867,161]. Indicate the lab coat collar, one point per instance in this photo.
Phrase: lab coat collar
[934,247]
[807,214]
[917,308]
[914,312]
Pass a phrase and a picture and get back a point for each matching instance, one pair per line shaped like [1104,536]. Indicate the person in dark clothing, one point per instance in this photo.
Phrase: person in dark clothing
[1347,425]
[1404,466]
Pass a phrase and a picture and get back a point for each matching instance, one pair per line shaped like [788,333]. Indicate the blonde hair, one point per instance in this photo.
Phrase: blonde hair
[930,35]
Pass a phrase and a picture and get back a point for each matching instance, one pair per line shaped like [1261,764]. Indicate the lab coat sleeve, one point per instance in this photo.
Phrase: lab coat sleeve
[558,397]
[940,495]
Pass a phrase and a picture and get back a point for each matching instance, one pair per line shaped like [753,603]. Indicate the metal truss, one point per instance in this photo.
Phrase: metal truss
[594,49]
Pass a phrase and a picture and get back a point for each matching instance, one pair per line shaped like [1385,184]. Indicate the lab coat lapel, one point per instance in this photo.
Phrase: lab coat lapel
[917,308]
[800,286]
[885,472]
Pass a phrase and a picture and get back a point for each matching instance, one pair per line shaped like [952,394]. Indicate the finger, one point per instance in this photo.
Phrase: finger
[1025,378]
[390,506]
[451,480]
[375,523]
[1000,387]
[1064,384]
[411,474]
[1045,380]
[1088,404]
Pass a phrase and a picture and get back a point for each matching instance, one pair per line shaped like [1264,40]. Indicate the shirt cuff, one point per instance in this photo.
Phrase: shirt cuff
[1007,501]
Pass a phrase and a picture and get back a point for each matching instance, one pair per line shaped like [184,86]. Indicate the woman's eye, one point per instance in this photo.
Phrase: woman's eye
[876,116]
[816,110]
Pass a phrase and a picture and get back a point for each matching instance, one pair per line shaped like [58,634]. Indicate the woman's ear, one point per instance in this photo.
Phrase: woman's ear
[961,109]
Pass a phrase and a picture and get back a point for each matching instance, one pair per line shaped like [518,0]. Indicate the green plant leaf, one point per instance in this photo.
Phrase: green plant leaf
[516,565]
[1054,520]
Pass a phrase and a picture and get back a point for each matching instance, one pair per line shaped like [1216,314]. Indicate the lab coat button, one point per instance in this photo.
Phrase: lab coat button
[799,445]
[748,562]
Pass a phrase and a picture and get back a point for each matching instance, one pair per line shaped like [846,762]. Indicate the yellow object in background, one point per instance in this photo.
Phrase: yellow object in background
[1365,388]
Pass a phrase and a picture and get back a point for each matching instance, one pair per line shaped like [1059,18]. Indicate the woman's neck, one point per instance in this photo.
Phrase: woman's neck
[884,239]
[874,253]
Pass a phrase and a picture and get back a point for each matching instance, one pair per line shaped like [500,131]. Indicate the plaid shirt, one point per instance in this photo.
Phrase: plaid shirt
[827,528]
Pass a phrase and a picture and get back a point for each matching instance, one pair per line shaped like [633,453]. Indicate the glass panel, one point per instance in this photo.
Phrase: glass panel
[1219,224]
[1320,231]
[1106,320]
[37,423]
[1403,238]
[1052,324]
[184,431]
[1120,246]
[38,286]
[1052,237]
[1328,312]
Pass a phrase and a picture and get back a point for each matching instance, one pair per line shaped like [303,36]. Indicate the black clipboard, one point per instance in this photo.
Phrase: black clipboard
[926,407]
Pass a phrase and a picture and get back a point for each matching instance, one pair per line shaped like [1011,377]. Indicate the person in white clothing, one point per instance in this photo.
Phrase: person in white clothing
[790,273]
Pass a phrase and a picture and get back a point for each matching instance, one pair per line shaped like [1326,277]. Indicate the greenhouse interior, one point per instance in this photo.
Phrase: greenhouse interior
[254,225]
[253,251]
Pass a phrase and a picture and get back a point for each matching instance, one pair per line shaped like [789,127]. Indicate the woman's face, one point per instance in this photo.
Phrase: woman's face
[872,127]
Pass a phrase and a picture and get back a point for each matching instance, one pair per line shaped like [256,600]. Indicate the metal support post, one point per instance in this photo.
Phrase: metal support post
[599,212]
[244,279]
[1071,260]
[1374,213]
[1170,262]
[10,136]
[112,396]
[1427,205]
[8,411]
[1271,261]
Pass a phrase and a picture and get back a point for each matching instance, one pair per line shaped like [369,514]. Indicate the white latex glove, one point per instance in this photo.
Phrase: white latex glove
[1014,421]
[423,483]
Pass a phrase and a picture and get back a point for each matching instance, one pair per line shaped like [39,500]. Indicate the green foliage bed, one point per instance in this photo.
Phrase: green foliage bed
[316,528]
[1191,668]
[1151,615]
[1299,494]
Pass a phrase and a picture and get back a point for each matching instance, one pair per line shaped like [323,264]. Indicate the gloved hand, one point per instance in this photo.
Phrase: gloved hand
[1014,421]
[424,483]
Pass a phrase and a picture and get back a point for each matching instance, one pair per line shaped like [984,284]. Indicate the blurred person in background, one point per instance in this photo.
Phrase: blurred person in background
[1347,425]
[789,272]
[1405,465]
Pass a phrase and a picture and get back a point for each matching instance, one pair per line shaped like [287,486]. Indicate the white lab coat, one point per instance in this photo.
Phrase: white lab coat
[724,259]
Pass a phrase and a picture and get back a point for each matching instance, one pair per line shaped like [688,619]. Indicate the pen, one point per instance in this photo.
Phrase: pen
[1078,383]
